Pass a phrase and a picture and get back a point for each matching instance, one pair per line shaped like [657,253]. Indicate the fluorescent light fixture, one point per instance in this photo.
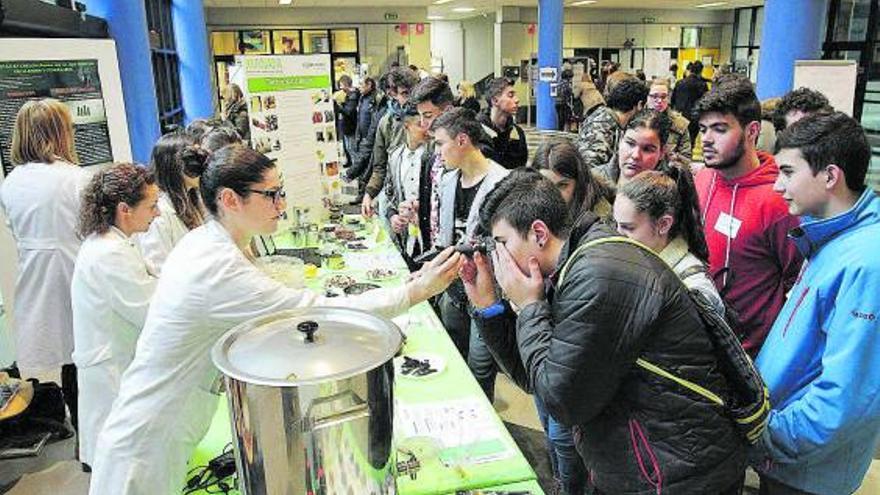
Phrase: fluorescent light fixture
[435,17]
[709,5]
[441,2]
[463,9]
[583,2]
[285,2]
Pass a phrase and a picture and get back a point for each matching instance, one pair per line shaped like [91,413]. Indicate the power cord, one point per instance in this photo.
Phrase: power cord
[215,478]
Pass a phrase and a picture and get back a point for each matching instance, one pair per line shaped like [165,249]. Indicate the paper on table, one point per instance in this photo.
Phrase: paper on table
[464,429]
[371,260]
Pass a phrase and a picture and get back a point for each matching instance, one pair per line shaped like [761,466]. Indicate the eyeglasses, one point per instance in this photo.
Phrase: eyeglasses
[276,195]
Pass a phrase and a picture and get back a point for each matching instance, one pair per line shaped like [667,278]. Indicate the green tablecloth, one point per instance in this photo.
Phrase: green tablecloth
[424,333]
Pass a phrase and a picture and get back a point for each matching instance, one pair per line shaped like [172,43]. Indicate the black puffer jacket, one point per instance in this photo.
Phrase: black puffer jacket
[638,433]
[509,145]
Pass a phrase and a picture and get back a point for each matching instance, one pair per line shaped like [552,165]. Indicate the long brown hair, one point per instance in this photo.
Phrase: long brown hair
[561,156]
[174,156]
[43,133]
[118,183]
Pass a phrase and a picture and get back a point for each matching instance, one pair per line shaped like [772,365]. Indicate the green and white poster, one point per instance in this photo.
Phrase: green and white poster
[292,121]
[73,82]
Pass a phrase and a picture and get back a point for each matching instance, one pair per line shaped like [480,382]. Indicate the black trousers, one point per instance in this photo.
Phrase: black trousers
[735,489]
[770,486]
[70,391]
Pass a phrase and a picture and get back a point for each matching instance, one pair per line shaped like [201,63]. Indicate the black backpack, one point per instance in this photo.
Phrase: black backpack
[748,401]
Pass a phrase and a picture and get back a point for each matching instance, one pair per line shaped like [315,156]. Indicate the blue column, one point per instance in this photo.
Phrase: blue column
[191,39]
[783,41]
[550,16]
[127,21]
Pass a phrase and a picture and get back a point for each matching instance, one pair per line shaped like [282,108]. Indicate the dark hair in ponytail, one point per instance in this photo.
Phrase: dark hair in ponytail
[218,137]
[235,167]
[119,183]
[670,191]
[174,156]
[562,157]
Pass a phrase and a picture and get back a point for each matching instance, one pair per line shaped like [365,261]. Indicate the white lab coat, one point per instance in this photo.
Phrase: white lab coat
[165,404]
[165,232]
[41,202]
[110,295]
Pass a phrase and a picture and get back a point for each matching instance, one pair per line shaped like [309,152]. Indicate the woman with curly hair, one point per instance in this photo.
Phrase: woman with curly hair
[111,289]
[40,199]
[177,163]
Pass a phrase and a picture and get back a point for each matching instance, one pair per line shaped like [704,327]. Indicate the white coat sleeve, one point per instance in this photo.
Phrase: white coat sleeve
[157,242]
[129,286]
[244,292]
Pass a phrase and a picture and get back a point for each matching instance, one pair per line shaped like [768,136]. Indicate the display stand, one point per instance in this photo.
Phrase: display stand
[836,79]
[292,121]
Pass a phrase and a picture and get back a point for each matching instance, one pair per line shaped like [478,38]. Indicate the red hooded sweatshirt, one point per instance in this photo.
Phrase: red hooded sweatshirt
[751,259]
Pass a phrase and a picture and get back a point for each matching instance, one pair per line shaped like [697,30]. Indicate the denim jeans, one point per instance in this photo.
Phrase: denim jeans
[481,363]
[568,467]
[467,339]
[457,322]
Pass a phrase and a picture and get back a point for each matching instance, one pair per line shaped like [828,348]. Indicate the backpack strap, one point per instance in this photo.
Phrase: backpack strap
[690,272]
[642,363]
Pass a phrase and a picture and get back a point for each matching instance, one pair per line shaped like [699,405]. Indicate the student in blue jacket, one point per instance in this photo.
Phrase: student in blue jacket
[821,360]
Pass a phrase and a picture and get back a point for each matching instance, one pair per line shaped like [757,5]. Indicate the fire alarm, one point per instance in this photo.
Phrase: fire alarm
[531,29]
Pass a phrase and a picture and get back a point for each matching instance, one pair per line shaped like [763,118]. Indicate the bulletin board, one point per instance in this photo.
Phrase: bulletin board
[836,79]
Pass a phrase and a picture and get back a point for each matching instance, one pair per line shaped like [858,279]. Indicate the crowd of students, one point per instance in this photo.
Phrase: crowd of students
[583,295]
[747,233]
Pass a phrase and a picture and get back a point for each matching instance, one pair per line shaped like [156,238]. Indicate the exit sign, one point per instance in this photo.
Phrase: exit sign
[391,16]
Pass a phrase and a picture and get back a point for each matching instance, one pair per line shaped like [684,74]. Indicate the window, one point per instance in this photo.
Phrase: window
[747,25]
[286,42]
[690,37]
[165,63]
[345,40]
[316,41]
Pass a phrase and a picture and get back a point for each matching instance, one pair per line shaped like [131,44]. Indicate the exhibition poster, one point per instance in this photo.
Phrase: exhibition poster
[292,121]
[73,82]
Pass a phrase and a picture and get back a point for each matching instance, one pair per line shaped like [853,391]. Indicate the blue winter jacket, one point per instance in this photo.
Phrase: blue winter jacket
[821,360]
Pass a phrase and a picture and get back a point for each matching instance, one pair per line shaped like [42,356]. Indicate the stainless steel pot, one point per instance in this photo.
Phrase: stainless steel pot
[311,402]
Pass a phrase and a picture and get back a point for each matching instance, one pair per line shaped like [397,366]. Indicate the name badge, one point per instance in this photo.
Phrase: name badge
[728,225]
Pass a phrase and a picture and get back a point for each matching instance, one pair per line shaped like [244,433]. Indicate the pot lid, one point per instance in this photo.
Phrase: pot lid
[306,346]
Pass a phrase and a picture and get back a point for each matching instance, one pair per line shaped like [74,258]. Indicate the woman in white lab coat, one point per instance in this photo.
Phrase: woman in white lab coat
[40,199]
[111,290]
[177,163]
[209,285]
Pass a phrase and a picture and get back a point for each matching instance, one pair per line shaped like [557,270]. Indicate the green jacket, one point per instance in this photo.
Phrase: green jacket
[389,135]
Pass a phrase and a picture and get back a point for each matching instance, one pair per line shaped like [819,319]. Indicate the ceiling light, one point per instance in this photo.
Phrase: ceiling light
[285,2]
[463,9]
[583,2]
[708,5]
[441,2]
[435,17]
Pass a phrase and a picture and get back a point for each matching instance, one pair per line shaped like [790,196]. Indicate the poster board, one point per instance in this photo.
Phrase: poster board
[80,72]
[292,121]
[836,79]
[657,63]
